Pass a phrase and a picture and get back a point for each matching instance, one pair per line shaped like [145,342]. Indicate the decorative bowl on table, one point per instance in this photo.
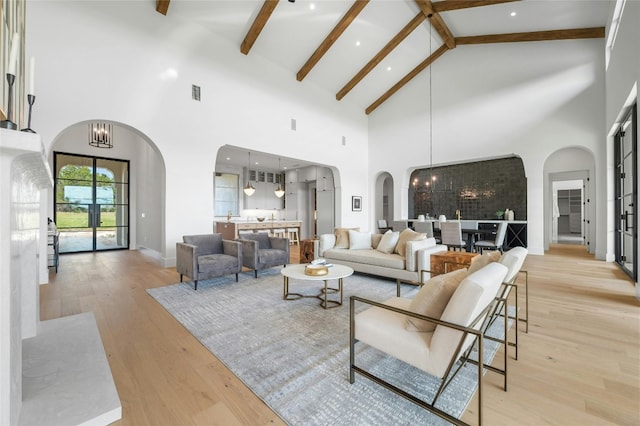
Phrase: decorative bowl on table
[316,270]
[260,219]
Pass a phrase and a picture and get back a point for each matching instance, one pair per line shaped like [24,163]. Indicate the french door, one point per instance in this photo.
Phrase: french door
[91,208]
[626,192]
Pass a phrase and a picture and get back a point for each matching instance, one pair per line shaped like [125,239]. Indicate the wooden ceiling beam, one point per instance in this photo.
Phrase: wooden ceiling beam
[337,31]
[395,41]
[570,34]
[446,5]
[162,6]
[414,72]
[438,23]
[258,24]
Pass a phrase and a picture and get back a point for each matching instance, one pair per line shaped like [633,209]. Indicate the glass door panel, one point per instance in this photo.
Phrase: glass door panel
[92,203]
[626,195]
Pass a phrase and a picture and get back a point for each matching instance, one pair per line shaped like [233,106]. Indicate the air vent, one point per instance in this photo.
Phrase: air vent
[293,124]
[195,92]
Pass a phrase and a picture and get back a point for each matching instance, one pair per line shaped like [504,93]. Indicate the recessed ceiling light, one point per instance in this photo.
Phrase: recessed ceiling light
[312,6]
[228,158]
[513,14]
[388,68]
[357,43]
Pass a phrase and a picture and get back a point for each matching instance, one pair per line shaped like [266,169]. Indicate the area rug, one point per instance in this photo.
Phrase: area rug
[294,354]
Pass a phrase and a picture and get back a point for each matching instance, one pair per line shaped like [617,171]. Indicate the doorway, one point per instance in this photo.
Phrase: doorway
[568,212]
[91,207]
[626,194]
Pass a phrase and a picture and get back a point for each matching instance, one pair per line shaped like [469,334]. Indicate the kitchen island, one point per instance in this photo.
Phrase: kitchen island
[230,229]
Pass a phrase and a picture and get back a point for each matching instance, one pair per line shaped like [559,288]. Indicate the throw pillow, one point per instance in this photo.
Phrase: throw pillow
[342,237]
[483,260]
[388,242]
[359,240]
[375,240]
[407,235]
[432,298]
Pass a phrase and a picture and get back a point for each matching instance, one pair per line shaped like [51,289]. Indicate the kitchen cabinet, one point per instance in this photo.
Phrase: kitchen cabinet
[264,198]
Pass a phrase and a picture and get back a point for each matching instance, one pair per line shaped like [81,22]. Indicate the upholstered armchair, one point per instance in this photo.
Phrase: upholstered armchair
[434,332]
[260,251]
[207,256]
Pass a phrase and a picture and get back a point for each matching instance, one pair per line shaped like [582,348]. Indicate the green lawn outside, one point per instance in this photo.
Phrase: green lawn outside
[81,220]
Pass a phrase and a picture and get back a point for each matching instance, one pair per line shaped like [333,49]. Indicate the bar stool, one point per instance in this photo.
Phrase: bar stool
[279,232]
[294,238]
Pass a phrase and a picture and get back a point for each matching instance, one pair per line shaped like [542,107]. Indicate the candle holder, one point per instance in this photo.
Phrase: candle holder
[30,99]
[8,124]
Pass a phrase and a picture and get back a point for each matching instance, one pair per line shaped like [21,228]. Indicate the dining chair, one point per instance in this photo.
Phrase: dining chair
[451,235]
[383,226]
[424,228]
[495,244]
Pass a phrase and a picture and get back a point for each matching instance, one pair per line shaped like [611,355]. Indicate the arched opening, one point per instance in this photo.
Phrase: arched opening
[569,195]
[384,198]
[140,205]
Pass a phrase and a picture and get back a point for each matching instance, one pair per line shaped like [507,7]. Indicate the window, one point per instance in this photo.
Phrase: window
[226,194]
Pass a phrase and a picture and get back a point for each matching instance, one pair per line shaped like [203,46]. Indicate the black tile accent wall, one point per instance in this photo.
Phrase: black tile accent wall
[478,189]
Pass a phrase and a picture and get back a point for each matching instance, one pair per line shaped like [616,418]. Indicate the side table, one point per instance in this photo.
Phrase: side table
[448,261]
[306,251]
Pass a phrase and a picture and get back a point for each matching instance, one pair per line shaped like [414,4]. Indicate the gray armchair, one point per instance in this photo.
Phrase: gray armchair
[207,256]
[260,251]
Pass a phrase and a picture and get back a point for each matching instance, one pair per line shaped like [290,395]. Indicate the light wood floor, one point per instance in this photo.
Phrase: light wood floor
[579,364]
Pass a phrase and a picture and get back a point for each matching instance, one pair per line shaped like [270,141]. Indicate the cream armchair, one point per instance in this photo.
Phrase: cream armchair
[207,256]
[440,352]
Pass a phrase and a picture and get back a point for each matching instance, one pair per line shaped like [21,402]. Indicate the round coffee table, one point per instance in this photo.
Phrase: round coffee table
[336,272]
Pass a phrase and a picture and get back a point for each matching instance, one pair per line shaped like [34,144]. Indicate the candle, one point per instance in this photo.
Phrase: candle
[13,56]
[31,89]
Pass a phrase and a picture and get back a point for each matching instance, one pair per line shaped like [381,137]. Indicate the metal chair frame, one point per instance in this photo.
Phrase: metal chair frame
[450,372]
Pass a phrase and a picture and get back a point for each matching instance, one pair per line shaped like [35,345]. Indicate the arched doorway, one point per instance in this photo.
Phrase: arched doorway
[384,198]
[569,198]
[145,189]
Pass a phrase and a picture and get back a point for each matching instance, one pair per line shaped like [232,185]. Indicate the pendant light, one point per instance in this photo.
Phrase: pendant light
[279,191]
[249,189]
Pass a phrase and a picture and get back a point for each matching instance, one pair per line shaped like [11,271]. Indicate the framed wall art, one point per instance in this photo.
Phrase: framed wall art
[356,203]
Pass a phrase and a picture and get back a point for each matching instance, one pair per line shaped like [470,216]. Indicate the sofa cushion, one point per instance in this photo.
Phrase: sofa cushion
[359,240]
[216,263]
[342,237]
[433,298]
[206,243]
[407,235]
[261,237]
[272,256]
[513,259]
[388,242]
[369,257]
[483,260]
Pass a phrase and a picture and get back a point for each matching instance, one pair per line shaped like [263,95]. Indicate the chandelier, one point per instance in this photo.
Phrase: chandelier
[101,135]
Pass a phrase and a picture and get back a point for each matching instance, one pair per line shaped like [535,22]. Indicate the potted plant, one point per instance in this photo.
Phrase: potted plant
[500,214]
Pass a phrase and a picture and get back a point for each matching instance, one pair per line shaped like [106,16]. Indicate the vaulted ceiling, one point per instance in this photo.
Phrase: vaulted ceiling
[368,50]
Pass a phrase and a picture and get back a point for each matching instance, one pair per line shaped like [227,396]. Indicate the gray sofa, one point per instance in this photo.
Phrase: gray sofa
[260,251]
[391,265]
[207,256]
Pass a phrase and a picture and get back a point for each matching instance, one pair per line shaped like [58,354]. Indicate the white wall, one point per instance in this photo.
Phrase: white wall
[527,99]
[111,60]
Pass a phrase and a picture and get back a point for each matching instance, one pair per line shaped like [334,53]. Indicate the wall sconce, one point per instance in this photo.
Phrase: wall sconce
[101,135]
